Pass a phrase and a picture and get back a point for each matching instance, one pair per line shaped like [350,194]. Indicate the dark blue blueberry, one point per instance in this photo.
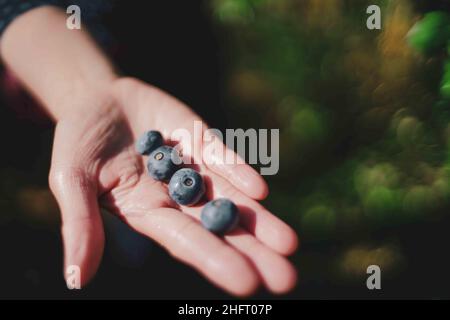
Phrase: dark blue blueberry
[220,216]
[162,163]
[186,187]
[148,142]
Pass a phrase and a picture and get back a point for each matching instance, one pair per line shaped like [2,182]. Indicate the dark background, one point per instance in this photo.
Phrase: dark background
[173,45]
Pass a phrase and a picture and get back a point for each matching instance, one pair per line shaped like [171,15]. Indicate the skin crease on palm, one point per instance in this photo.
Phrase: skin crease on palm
[94,165]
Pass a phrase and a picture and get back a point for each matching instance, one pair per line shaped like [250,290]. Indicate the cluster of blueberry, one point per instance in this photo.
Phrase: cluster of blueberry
[431,35]
[186,186]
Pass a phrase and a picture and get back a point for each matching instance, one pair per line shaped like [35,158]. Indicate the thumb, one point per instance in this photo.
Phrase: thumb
[82,227]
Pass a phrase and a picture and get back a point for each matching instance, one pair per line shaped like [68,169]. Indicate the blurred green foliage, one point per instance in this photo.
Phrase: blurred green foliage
[364,115]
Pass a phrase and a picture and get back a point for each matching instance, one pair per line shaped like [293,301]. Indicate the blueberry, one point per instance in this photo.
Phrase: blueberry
[148,142]
[220,216]
[161,165]
[186,187]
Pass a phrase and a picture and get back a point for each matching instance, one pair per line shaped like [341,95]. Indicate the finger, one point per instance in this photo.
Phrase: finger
[187,241]
[231,166]
[202,146]
[266,227]
[277,273]
[82,227]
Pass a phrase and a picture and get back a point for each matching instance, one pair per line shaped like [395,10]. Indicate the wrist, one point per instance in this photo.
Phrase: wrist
[83,99]
[64,69]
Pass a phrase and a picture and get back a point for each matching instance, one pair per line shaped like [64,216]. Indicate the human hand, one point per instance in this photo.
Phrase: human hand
[94,164]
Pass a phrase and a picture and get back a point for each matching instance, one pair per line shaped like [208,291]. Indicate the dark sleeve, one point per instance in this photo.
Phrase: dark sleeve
[10,9]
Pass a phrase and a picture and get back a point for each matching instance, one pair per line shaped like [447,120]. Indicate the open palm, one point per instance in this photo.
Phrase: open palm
[94,165]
